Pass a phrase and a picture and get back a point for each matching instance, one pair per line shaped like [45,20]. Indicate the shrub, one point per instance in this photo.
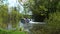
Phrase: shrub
[53,23]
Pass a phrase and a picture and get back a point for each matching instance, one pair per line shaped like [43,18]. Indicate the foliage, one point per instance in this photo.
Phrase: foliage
[38,6]
[41,8]
[53,24]
[5,17]
[15,17]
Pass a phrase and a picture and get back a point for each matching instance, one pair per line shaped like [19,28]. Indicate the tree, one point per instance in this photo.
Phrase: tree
[6,18]
[39,9]
[15,17]
[3,14]
[52,24]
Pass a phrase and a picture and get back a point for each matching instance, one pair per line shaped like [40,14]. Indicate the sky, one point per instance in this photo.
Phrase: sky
[14,3]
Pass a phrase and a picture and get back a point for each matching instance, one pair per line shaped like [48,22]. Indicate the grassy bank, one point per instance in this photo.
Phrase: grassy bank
[11,32]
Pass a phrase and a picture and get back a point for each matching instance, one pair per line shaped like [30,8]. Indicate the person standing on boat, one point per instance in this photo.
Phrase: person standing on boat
[26,20]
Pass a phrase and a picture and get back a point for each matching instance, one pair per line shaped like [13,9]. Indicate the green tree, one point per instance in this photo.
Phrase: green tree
[52,24]
[39,9]
[15,17]
[6,18]
[3,15]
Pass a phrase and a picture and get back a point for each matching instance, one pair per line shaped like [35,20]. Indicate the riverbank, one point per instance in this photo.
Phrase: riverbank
[2,31]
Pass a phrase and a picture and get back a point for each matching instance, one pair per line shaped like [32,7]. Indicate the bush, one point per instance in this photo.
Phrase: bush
[53,23]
